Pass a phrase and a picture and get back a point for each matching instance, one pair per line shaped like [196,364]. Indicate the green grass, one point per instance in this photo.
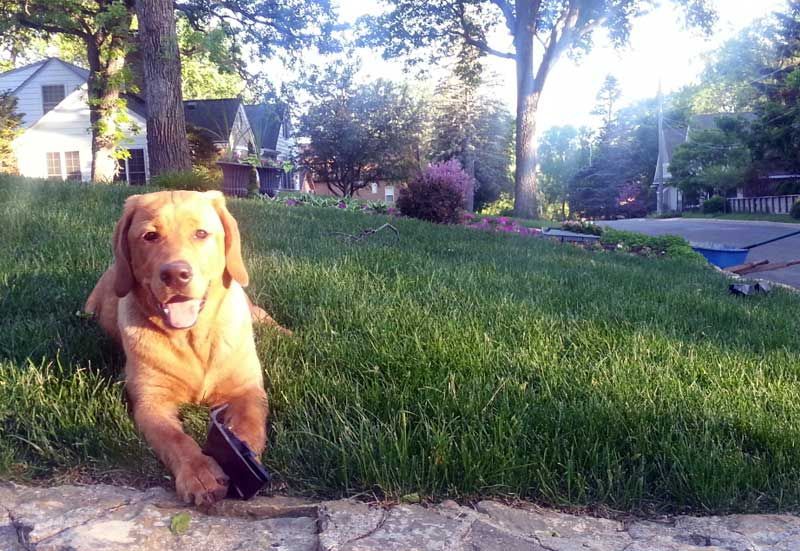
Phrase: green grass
[451,363]
[762,217]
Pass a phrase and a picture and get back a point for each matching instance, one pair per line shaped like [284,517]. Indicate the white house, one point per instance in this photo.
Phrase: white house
[56,141]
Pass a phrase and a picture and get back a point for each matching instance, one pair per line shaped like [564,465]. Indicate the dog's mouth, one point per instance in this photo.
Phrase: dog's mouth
[181,312]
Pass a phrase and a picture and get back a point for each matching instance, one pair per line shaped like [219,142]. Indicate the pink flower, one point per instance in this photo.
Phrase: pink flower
[342,205]
[503,220]
[292,202]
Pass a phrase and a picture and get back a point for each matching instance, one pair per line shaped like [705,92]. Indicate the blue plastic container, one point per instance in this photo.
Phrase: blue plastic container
[723,258]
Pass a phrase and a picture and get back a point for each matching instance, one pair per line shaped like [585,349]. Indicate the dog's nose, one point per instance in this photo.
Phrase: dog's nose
[176,274]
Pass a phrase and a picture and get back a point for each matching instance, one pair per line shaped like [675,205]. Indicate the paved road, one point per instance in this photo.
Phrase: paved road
[730,232]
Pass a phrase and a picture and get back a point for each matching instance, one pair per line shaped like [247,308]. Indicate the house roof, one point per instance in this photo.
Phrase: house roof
[80,71]
[265,121]
[215,116]
[136,104]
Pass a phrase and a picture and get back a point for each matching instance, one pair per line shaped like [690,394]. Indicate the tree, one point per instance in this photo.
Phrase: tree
[713,161]
[167,143]
[775,135]
[727,81]
[446,27]
[562,153]
[617,180]
[607,99]
[470,124]
[360,133]
[209,63]
[104,27]
[10,122]
[268,26]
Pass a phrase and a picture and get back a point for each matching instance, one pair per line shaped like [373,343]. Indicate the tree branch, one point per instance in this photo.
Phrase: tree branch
[479,43]
[508,14]
[51,28]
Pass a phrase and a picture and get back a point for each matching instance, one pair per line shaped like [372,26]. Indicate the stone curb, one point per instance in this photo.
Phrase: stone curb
[83,518]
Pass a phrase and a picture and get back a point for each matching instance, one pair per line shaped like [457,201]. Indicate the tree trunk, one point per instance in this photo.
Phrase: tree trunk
[525,189]
[167,145]
[103,95]
[469,168]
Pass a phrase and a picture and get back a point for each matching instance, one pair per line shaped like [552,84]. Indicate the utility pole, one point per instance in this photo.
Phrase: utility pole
[662,154]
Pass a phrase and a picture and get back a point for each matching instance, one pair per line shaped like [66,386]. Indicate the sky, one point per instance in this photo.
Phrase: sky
[660,49]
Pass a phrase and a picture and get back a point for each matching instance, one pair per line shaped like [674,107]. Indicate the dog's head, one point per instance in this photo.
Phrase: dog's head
[175,245]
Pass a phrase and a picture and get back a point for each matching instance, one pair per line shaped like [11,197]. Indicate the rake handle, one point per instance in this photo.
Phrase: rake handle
[771,240]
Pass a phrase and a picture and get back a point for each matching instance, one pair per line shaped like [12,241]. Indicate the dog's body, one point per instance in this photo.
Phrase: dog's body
[174,298]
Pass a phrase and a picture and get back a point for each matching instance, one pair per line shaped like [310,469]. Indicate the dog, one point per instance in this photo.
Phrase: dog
[174,298]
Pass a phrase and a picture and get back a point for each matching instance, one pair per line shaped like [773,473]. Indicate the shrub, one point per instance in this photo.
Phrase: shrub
[582,227]
[714,205]
[672,246]
[795,212]
[436,194]
[192,180]
[631,201]
[504,206]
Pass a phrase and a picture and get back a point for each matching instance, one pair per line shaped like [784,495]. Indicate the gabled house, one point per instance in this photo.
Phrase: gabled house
[56,141]
[272,131]
[671,198]
[222,121]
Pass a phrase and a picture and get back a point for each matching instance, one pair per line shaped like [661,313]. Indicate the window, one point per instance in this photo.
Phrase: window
[389,194]
[72,160]
[122,171]
[54,165]
[51,96]
[136,172]
[132,170]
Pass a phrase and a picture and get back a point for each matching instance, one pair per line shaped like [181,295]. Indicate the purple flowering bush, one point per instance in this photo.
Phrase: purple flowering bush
[436,194]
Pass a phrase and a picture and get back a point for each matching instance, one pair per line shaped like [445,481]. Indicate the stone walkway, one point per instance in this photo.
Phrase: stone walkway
[109,518]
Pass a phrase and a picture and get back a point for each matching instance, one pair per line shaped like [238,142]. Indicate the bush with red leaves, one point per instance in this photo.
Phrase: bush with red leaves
[436,194]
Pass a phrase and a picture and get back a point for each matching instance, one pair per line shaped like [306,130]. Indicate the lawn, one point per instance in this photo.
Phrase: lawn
[453,363]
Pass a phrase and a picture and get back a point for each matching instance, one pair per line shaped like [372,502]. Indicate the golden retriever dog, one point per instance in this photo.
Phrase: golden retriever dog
[174,298]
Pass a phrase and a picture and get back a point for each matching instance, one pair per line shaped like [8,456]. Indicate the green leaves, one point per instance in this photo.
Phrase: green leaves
[179,524]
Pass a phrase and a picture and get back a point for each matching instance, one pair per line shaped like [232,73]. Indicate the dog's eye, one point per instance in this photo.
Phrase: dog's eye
[151,236]
[201,234]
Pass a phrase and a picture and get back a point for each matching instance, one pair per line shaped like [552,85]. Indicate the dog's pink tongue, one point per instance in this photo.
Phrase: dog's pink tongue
[183,314]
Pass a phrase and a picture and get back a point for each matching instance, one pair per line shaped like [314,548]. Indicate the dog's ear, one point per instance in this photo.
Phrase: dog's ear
[123,274]
[234,265]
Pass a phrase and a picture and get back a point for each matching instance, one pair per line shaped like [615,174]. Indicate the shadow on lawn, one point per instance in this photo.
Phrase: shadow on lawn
[43,320]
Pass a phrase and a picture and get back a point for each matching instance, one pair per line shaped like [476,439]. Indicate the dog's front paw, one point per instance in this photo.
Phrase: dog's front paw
[201,481]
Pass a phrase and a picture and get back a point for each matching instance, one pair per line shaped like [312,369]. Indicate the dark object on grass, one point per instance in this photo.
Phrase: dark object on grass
[746,289]
[366,233]
[247,476]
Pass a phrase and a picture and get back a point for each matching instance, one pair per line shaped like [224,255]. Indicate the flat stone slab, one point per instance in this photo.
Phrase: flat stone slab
[84,518]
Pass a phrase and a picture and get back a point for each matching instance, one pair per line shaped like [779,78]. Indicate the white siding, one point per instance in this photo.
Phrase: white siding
[29,97]
[67,128]
[284,146]
[241,133]
[10,80]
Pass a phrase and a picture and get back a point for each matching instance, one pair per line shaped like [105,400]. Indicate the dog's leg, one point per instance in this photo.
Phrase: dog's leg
[198,478]
[259,315]
[246,416]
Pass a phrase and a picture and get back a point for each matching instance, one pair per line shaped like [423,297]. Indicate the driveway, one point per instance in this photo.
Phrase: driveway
[729,232]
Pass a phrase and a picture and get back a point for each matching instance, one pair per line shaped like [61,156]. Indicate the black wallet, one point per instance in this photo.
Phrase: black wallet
[247,475]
